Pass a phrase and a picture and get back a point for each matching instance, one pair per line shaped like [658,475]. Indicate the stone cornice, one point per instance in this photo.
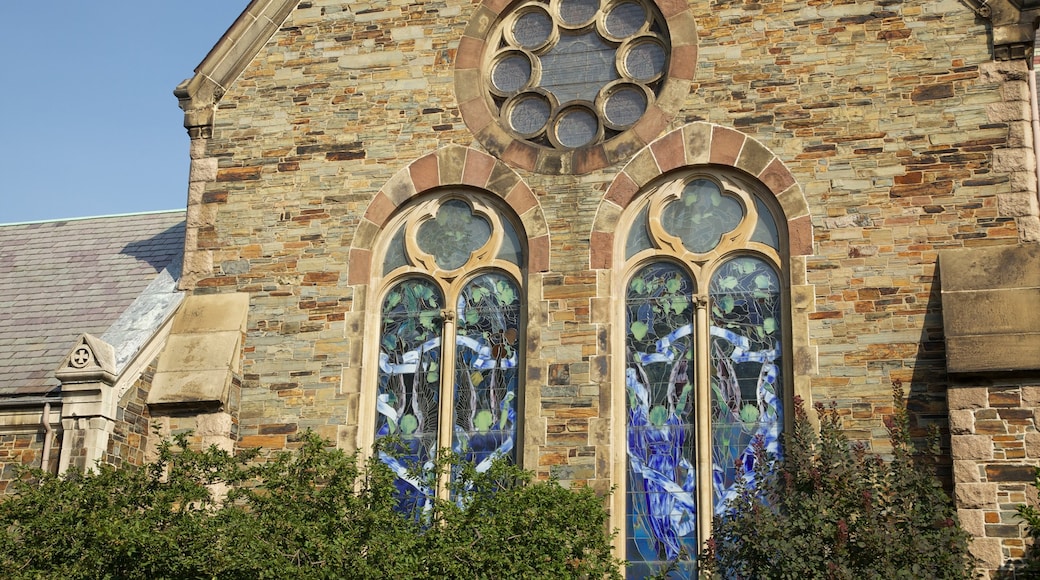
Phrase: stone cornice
[234,51]
[1014,26]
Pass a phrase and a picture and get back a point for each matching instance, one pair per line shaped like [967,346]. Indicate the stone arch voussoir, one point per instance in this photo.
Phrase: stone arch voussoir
[451,166]
[702,144]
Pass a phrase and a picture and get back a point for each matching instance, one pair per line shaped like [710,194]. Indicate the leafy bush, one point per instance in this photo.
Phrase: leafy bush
[828,509]
[312,513]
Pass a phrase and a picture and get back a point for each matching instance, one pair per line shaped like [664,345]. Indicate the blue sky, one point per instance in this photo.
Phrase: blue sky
[91,126]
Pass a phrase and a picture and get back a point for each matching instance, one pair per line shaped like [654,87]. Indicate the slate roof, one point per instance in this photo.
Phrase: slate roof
[59,279]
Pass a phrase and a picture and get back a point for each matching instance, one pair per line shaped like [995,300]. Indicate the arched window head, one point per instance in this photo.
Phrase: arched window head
[449,344]
[703,340]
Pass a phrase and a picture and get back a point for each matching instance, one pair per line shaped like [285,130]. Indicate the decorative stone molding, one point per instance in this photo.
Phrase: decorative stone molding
[703,144]
[451,166]
[89,402]
[1014,26]
[234,51]
[479,114]
[91,360]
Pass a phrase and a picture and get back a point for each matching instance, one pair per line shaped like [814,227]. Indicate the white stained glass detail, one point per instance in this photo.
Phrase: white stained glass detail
[529,114]
[625,106]
[578,67]
[532,29]
[645,61]
[625,19]
[575,12]
[512,73]
[576,127]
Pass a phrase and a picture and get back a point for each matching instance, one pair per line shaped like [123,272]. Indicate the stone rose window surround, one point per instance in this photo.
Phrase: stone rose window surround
[570,86]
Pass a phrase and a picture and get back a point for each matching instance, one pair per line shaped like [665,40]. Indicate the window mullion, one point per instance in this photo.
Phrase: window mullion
[701,359]
[446,413]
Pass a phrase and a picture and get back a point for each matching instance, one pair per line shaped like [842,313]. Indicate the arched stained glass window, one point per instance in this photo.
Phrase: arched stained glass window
[661,496]
[703,360]
[449,345]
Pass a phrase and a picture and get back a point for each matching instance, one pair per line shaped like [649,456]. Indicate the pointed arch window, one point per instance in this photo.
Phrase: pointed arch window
[449,344]
[703,367]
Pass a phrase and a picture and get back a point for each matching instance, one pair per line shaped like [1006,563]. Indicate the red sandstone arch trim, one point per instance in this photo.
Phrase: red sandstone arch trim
[702,144]
[452,165]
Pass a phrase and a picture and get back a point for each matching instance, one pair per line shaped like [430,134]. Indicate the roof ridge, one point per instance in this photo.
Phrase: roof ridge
[93,217]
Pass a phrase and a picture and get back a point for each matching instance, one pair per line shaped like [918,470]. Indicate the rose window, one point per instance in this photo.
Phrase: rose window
[566,74]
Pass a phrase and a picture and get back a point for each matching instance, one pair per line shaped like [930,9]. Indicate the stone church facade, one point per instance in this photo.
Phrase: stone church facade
[649,224]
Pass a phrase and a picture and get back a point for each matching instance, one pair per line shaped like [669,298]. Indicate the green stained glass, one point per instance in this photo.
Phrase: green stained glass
[702,215]
[487,358]
[408,386]
[746,392]
[661,517]
[454,234]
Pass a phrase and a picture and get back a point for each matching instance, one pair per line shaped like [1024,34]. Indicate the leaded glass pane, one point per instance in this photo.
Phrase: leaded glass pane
[532,29]
[645,61]
[453,235]
[395,252]
[576,12]
[529,114]
[511,251]
[578,67]
[512,73]
[625,19]
[576,127]
[638,237]
[746,394]
[661,518]
[486,366]
[409,388]
[765,229]
[702,215]
[625,106]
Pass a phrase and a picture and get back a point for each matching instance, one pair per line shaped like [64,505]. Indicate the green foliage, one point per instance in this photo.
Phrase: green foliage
[310,513]
[830,510]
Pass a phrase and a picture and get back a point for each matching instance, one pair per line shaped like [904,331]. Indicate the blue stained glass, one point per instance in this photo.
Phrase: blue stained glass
[661,516]
[746,397]
[486,367]
[408,388]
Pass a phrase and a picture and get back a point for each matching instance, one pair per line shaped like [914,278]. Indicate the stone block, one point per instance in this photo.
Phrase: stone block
[966,471]
[212,313]
[967,398]
[977,447]
[962,422]
[975,495]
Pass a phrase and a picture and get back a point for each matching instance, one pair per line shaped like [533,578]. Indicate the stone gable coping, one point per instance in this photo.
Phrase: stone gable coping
[454,165]
[234,51]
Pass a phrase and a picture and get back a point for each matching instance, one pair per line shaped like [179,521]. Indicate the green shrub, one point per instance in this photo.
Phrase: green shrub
[311,513]
[828,509]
